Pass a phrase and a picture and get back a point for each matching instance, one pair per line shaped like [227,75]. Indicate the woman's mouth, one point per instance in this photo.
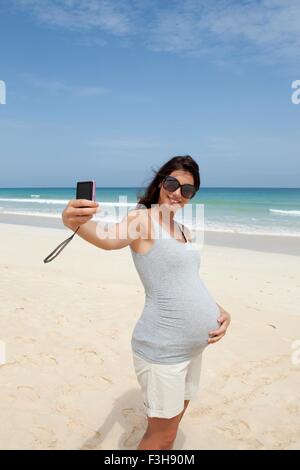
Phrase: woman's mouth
[173,201]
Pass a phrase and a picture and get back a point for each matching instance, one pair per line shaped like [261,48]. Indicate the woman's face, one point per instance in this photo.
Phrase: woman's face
[174,200]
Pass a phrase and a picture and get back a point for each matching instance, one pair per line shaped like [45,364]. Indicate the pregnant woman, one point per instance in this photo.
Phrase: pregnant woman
[180,317]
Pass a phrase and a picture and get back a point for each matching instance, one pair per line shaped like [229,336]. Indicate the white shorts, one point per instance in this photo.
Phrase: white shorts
[166,386]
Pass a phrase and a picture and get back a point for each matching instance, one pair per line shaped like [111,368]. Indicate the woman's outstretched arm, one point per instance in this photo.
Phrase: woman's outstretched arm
[116,236]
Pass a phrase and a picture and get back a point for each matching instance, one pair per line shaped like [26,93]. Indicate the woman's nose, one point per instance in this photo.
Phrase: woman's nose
[177,193]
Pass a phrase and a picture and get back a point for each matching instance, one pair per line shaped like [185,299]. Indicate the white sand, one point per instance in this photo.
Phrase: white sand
[69,383]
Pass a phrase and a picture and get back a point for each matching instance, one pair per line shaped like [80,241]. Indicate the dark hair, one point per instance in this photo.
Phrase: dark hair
[185,163]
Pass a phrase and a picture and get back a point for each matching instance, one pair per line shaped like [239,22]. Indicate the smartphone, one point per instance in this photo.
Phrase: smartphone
[86,190]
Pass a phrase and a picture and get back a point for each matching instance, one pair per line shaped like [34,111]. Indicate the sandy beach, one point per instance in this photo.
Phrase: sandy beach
[68,380]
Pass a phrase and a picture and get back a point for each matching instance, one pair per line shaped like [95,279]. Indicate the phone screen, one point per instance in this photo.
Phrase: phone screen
[85,190]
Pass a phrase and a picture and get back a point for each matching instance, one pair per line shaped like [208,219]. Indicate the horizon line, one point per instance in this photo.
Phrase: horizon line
[143,187]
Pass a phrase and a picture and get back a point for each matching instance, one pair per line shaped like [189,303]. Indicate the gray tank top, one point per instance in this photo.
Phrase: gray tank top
[178,312]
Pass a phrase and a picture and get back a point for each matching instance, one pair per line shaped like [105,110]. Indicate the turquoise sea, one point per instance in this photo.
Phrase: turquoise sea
[241,210]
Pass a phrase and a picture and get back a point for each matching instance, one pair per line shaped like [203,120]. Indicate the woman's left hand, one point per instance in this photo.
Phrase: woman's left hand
[224,320]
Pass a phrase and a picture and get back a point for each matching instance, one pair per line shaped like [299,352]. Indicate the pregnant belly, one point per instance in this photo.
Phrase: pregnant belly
[191,326]
[184,321]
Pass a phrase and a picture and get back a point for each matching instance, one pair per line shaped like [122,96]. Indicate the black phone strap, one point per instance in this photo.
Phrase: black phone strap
[60,247]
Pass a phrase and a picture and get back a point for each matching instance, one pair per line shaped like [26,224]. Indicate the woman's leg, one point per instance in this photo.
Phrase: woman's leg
[161,432]
[186,402]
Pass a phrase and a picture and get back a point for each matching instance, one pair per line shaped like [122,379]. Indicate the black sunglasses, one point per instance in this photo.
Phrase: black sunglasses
[170,183]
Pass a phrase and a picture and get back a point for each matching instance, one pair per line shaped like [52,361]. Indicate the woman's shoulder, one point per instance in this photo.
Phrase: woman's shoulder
[140,218]
[140,244]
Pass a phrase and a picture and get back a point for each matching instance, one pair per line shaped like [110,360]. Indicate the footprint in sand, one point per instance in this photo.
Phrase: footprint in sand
[48,359]
[235,429]
[7,399]
[293,408]
[105,379]
[65,410]
[201,412]
[44,437]
[25,339]
[28,361]
[89,356]
[26,391]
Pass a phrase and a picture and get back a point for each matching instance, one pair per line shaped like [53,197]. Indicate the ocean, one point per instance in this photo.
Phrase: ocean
[268,211]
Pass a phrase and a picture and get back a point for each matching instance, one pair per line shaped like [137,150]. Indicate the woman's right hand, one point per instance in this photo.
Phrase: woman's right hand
[74,214]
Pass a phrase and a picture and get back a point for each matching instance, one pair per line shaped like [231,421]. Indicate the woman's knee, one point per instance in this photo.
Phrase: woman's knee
[163,429]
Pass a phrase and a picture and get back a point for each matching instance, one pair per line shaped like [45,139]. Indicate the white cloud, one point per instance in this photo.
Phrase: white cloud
[266,30]
[110,16]
[59,86]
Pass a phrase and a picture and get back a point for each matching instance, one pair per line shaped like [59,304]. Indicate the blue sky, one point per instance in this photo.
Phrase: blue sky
[110,90]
